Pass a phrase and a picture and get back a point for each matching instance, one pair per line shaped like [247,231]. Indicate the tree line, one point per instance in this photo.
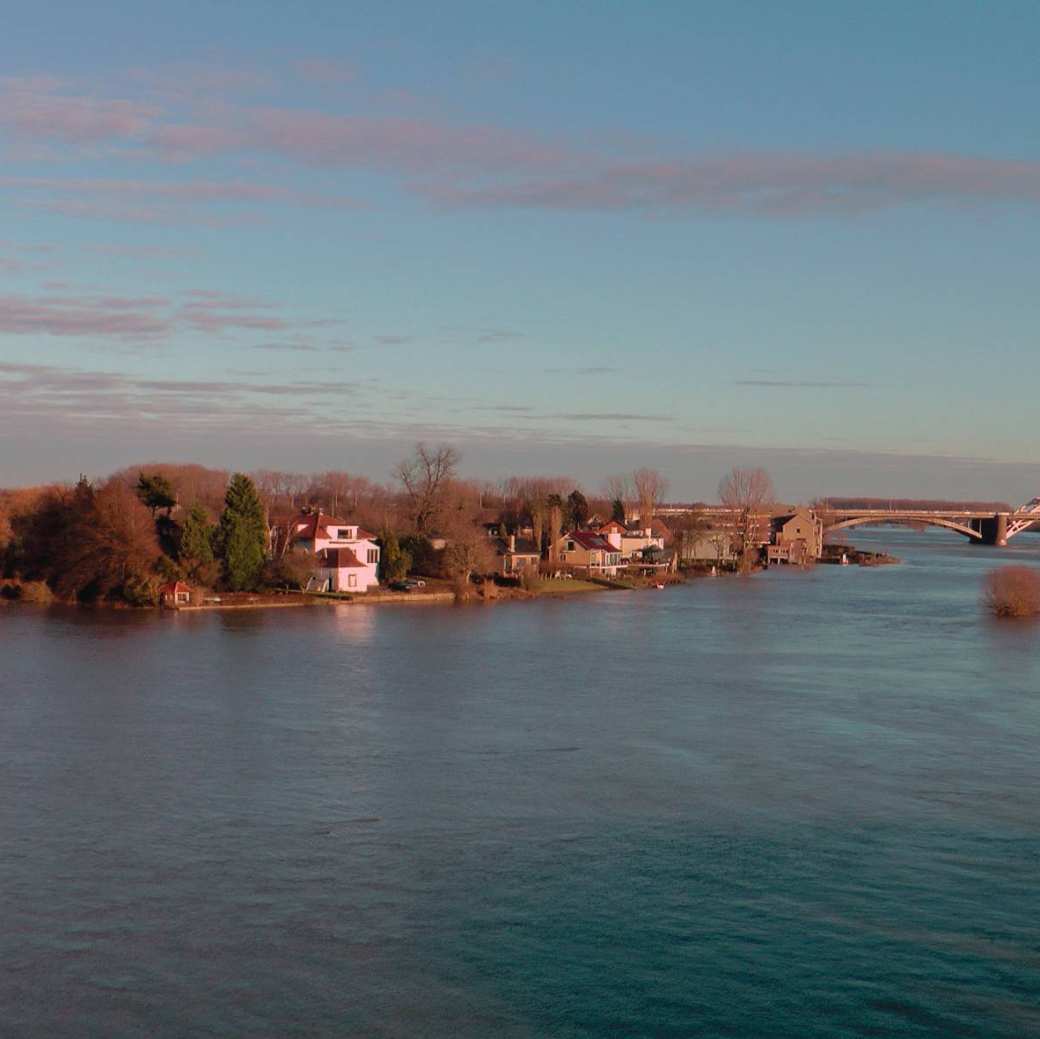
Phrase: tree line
[121,538]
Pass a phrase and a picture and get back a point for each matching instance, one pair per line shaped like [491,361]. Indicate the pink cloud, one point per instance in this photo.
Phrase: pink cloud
[161,202]
[404,144]
[58,316]
[140,318]
[34,107]
[460,165]
[325,72]
[774,185]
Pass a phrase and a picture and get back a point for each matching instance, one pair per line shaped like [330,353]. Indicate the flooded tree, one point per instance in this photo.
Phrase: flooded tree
[1013,591]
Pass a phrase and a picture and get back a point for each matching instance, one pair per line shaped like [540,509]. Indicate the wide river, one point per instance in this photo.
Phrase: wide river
[799,805]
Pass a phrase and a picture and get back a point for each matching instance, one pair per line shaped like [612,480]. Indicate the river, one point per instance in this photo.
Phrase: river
[803,805]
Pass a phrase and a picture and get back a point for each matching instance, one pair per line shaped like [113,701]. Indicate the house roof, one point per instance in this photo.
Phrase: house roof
[613,527]
[803,513]
[524,547]
[173,587]
[340,558]
[591,541]
[316,524]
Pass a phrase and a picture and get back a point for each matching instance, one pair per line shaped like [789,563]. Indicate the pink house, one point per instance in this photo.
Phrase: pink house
[348,556]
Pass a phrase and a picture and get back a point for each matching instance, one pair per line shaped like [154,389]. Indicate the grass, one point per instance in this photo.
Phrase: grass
[565,586]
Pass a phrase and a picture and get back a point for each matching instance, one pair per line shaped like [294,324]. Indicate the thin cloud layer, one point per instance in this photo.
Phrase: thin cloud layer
[765,184]
[450,163]
[142,318]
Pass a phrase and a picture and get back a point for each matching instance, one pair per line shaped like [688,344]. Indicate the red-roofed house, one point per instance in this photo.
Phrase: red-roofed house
[613,532]
[347,555]
[175,593]
[590,551]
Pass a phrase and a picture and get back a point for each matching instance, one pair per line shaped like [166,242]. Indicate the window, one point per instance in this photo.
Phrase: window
[373,555]
[570,546]
[352,580]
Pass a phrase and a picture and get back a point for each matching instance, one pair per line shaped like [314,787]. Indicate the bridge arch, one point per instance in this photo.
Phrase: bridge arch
[905,521]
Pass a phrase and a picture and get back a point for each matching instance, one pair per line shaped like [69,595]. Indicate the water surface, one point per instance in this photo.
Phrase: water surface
[799,805]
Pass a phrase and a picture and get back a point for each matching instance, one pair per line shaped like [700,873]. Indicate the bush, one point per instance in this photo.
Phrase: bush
[293,571]
[35,591]
[1013,591]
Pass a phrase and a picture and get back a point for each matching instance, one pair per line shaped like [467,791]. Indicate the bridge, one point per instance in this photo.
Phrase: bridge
[985,527]
[981,525]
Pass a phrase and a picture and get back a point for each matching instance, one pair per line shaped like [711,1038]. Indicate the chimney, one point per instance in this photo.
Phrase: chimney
[512,542]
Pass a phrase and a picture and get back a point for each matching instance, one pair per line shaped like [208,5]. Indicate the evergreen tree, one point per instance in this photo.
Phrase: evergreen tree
[156,492]
[579,508]
[242,535]
[394,561]
[196,545]
[618,510]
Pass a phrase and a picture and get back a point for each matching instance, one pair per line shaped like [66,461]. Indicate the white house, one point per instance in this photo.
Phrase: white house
[348,556]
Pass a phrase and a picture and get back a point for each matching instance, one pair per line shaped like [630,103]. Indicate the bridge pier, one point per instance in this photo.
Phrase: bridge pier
[993,531]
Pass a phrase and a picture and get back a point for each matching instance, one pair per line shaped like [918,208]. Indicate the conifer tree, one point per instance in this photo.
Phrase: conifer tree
[196,545]
[156,492]
[395,560]
[242,535]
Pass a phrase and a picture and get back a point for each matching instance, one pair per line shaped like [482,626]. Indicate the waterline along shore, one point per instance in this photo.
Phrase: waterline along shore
[190,538]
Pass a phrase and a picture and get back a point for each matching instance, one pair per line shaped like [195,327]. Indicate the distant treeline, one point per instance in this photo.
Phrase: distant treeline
[912,504]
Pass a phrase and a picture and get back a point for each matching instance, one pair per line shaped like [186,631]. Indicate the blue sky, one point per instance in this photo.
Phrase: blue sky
[566,238]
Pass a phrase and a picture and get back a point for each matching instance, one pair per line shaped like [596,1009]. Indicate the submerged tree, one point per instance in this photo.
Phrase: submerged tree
[242,534]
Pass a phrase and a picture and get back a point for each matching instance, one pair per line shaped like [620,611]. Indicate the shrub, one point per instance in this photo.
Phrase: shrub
[1013,591]
[293,571]
[36,591]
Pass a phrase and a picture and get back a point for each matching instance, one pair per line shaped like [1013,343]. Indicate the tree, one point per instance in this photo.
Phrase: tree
[555,525]
[578,507]
[538,522]
[650,487]
[619,488]
[111,549]
[394,561]
[156,492]
[747,492]
[242,534]
[468,551]
[425,476]
[195,552]
[617,511]
[293,571]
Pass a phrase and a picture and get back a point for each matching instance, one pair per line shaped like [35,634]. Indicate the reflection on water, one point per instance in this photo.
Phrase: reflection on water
[803,804]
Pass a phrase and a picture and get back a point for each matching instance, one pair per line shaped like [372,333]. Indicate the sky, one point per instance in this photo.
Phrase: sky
[564,237]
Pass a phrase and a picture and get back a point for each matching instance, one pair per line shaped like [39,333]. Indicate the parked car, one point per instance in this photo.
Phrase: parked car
[408,584]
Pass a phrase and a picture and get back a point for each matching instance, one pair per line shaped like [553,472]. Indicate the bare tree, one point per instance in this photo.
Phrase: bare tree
[619,488]
[555,524]
[538,522]
[468,549]
[747,491]
[650,487]
[424,476]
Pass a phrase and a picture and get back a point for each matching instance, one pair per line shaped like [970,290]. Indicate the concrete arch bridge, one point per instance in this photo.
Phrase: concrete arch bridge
[987,528]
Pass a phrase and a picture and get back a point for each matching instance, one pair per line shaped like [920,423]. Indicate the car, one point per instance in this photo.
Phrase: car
[408,584]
